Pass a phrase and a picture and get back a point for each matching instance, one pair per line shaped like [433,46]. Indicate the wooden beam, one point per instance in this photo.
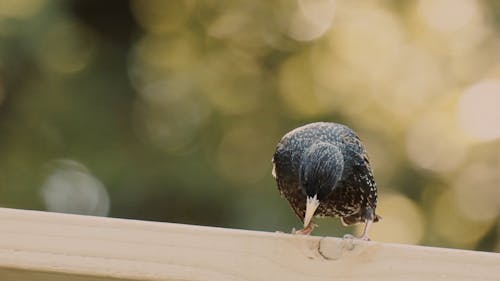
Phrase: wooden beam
[48,246]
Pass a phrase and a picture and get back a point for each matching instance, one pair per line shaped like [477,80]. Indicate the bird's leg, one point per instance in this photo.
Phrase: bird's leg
[365,237]
[306,230]
[368,223]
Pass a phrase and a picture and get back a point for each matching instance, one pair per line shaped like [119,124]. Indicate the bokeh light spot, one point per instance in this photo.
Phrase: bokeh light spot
[432,143]
[169,114]
[67,47]
[20,8]
[402,220]
[412,86]
[312,19]
[477,192]
[448,15]
[478,110]
[154,58]
[71,188]
[231,82]
[451,225]
[358,41]
[159,16]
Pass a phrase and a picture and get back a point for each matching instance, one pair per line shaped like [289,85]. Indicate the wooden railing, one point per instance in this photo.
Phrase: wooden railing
[48,246]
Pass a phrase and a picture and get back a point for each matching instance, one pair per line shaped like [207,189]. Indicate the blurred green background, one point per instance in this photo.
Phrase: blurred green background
[170,110]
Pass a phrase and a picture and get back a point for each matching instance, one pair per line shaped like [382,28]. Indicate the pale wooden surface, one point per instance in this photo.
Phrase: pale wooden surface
[48,246]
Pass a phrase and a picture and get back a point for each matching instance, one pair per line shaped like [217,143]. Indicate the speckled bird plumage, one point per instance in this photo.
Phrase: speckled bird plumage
[329,161]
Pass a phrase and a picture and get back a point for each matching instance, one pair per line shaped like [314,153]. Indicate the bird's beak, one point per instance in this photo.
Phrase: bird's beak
[311,206]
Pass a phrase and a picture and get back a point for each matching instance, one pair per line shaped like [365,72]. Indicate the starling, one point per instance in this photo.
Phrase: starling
[322,169]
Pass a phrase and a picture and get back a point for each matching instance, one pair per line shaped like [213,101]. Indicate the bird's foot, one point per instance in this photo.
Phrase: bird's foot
[350,236]
[306,230]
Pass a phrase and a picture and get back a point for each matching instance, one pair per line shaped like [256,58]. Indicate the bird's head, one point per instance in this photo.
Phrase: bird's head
[320,170]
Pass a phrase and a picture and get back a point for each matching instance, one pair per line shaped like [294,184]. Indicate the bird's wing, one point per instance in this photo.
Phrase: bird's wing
[363,176]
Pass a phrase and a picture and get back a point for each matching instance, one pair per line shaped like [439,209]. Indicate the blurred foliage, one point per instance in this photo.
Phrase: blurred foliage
[170,110]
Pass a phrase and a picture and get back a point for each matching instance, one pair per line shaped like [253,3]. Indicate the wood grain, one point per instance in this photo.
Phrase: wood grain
[48,246]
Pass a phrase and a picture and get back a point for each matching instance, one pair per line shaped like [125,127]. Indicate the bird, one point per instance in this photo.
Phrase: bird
[323,170]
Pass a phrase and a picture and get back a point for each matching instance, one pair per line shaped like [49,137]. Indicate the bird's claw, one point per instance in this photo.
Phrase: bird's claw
[350,236]
[306,230]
